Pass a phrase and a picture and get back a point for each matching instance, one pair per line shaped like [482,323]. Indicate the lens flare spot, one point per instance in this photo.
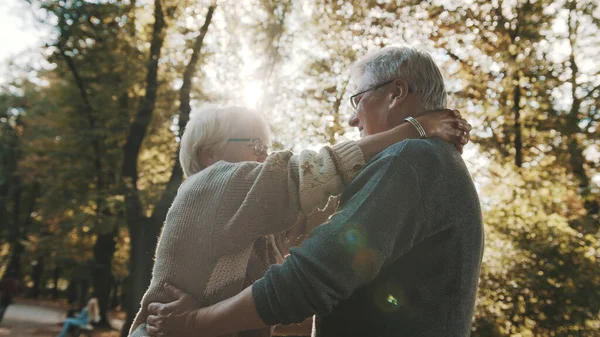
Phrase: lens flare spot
[352,236]
[390,297]
[364,262]
[353,239]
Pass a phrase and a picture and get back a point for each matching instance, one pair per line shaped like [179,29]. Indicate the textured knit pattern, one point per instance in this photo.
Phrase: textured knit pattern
[400,257]
[222,212]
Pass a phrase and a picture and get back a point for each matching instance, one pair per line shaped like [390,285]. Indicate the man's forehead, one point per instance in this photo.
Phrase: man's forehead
[363,81]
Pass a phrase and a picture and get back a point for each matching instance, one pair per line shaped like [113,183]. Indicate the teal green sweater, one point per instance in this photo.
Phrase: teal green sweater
[400,257]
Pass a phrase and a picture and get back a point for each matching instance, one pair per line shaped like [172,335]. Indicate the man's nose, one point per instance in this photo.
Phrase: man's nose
[353,120]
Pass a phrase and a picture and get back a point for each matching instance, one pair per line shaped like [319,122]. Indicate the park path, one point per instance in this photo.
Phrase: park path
[30,319]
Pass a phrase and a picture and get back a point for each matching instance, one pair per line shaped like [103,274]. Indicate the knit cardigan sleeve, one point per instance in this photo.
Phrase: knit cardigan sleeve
[266,198]
[300,231]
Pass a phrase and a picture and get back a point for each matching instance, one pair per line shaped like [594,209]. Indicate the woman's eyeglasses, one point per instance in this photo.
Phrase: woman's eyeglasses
[257,144]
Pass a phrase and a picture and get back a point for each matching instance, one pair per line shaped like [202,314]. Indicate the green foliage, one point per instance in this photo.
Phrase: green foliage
[539,274]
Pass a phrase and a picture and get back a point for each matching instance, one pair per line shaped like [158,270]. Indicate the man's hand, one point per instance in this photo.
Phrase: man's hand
[183,318]
[174,319]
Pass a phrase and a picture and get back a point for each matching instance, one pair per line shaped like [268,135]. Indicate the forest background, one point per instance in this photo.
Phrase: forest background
[91,113]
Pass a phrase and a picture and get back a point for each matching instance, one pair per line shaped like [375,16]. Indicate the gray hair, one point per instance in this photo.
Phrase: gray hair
[209,128]
[410,64]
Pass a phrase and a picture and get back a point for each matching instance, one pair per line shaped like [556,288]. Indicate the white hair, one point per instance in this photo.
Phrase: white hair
[93,310]
[209,128]
[413,65]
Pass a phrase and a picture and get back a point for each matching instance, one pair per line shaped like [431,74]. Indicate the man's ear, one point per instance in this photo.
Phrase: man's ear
[207,158]
[398,93]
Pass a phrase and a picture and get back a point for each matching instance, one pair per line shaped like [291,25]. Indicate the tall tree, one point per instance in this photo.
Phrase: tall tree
[144,234]
[11,186]
[496,78]
[89,51]
[516,95]
[579,124]
[141,234]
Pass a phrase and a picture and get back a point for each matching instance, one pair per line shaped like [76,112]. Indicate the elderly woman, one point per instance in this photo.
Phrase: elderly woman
[218,236]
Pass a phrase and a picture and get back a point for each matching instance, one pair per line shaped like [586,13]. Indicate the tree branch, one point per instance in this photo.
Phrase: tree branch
[591,92]
[160,211]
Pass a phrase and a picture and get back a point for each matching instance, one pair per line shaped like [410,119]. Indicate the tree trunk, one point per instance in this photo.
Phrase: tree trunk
[84,292]
[517,116]
[140,234]
[4,217]
[8,181]
[114,296]
[162,207]
[590,202]
[21,222]
[190,70]
[144,236]
[140,275]
[105,244]
[15,231]
[36,276]
[104,250]
[56,276]
[14,264]
[72,296]
[577,159]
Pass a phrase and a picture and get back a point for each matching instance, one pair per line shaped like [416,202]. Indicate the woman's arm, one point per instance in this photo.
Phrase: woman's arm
[301,329]
[446,124]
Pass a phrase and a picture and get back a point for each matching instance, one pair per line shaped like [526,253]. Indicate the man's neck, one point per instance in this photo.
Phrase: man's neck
[410,110]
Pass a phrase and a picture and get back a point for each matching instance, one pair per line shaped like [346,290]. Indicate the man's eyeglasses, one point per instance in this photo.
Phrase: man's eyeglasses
[355,99]
[257,144]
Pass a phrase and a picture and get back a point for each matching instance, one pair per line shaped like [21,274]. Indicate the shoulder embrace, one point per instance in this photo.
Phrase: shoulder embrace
[416,147]
[421,153]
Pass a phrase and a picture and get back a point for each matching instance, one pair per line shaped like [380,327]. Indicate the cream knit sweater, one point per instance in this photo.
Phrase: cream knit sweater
[218,233]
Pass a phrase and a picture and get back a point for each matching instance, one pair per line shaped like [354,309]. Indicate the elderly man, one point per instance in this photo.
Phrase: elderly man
[402,254]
